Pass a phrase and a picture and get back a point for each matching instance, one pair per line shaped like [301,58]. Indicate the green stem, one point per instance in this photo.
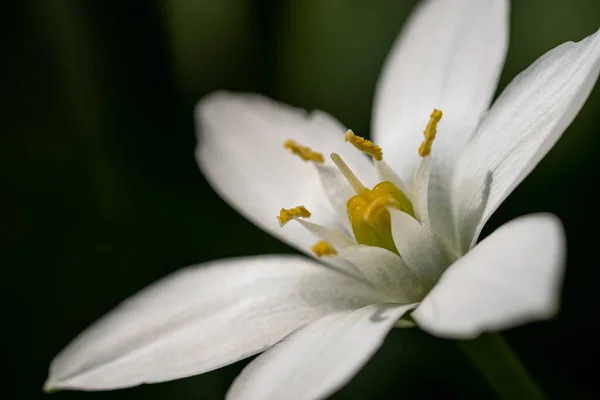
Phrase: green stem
[502,369]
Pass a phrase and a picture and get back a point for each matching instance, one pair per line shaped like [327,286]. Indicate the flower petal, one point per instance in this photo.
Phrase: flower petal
[386,173]
[512,277]
[420,191]
[449,56]
[520,128]
[422,253]
[338,192]
[240,151]
[202,318]
[315,361]
[386,270]
[336,239]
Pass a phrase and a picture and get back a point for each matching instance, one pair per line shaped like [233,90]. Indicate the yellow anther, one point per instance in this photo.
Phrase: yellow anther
[288,214]
[304,152]
[364,145]
[323,248]
[429,133]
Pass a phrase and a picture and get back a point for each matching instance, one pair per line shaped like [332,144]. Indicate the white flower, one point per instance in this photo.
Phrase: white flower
[409,244]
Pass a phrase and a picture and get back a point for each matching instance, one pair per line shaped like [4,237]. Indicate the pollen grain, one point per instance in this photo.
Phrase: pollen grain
[364,145]
[323,248]
[304,152]
[288,214]
[429,133]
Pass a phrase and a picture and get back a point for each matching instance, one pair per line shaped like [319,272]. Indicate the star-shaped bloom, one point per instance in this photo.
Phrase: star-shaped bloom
[394,232]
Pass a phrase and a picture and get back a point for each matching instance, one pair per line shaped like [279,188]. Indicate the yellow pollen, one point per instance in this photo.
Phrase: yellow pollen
[364,145]
[304,152]
[429,133]
[288,214]
[323,248]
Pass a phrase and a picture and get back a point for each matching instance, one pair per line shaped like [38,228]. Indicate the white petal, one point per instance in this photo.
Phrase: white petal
[335,238]
[521,127]
[386,173]
[512,277]
[315,361]
[338,241]
[420,191]
[386,270]
[201,318]
[240,151]
[338,192]
[449,56]
[423,254]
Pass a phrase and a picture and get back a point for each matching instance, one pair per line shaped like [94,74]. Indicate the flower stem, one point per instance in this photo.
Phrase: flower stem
[501,368]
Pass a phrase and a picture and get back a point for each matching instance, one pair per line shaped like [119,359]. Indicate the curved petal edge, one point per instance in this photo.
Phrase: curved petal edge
[512,277]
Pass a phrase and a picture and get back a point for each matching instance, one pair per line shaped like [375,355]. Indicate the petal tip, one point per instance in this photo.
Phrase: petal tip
[205,103]
[50,387]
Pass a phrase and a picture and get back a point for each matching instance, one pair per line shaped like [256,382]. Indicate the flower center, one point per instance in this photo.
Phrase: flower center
[368,209]
[370,218]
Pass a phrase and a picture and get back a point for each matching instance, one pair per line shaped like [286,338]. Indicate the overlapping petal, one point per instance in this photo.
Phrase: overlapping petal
[202,318]
[240,151]
[521,127]
[317,360]
[386,270]
[512,277]
[449,56]
[420,250]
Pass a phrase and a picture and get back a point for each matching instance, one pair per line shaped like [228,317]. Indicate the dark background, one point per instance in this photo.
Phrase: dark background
[100,194]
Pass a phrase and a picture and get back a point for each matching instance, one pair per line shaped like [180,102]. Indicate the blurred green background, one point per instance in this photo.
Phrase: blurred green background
[100,194]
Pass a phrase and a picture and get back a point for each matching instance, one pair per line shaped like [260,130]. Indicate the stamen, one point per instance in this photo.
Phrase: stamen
[288,214]
[429,133]
[304,152]
[364,145]
[379,204]
[323,248]
[356,184]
